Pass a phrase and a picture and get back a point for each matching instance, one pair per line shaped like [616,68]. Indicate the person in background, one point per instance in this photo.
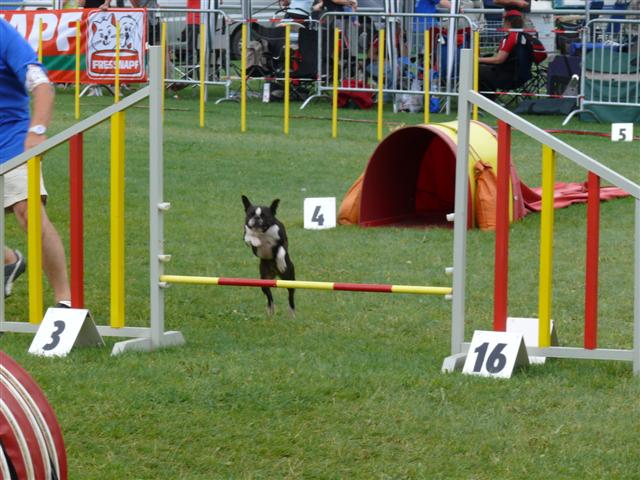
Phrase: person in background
[101,4]
[429,6]
[523,6]
[502,71]
[3,5]
[192,33]
[304,11]
[153,20]
[22,75]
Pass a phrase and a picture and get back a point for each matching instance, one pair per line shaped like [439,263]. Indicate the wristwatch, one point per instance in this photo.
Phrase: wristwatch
[38,129]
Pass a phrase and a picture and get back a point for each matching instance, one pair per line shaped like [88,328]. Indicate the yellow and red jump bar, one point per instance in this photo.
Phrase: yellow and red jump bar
[348,287]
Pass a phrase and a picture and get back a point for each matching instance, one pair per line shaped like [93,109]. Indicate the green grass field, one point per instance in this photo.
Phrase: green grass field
[350,388]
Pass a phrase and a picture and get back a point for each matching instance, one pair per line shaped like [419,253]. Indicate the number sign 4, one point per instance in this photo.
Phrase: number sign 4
[319,213]
[62,329]
[495,354]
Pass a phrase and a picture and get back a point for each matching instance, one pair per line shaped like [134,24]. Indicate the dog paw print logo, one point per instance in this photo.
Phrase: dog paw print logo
[101,45]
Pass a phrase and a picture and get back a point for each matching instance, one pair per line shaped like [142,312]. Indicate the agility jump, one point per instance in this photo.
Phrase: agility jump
[141,338]
[597,171]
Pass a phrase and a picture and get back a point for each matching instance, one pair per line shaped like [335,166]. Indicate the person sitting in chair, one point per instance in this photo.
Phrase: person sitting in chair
[510,67]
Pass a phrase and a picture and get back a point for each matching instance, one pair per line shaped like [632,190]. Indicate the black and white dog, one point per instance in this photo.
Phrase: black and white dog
[267,237]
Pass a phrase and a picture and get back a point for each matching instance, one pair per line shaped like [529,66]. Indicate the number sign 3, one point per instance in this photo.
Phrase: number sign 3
[62,329]
[495,354]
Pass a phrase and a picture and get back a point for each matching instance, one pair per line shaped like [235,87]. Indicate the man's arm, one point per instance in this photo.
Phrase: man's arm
[497,59]
[42,110]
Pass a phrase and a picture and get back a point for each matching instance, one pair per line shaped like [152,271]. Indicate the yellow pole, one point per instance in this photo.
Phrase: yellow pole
[77,91]
[334,98]
[476,68]
[546,247]
[427,74]
[287,66]
[381,48]
[34,240]
[243,80]
[117,86]
[163,46]
[117,203]
[117,220]
[40,55]
[34,228]
[202,74]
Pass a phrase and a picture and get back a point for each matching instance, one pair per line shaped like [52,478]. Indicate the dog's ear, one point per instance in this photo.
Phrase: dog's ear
[246,202]
[274,206]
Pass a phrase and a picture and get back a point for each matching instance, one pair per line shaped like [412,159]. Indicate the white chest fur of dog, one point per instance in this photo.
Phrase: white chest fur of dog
[264,242]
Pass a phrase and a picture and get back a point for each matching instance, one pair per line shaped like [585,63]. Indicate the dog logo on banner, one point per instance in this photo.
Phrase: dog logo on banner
[101,45]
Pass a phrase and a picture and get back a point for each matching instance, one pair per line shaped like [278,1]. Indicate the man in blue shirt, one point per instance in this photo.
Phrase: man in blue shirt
[20,76]
[429,6]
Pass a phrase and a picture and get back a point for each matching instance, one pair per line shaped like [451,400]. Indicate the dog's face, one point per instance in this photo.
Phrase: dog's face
[258,217]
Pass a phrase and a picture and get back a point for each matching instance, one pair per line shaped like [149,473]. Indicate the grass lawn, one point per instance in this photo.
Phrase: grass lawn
[351,387]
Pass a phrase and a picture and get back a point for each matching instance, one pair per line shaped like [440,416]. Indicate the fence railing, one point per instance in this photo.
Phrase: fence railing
[404,52]
[610,64]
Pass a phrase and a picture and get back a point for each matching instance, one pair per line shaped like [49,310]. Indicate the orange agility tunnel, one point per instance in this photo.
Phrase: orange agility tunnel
[410,178]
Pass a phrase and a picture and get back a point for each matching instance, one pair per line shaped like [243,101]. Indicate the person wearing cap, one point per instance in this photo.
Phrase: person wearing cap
[500,71]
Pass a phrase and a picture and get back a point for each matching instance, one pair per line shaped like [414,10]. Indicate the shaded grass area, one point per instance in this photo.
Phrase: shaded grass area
[350,388]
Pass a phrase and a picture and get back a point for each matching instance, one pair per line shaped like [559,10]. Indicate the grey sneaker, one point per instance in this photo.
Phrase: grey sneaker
[13,271]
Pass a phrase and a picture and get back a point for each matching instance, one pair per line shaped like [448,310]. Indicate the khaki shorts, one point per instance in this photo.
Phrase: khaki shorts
[15,186]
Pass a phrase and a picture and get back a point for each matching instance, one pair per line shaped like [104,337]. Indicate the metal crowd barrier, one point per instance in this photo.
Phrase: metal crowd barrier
[191,36]
[610,66]
[404,52]
[266,54]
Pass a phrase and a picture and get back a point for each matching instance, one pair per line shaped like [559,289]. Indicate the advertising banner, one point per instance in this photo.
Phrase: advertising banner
[57,28]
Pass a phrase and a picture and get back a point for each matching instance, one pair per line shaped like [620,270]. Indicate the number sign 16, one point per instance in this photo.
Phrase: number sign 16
[495,354]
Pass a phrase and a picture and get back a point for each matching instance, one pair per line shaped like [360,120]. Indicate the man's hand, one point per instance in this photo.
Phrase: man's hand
[33,140]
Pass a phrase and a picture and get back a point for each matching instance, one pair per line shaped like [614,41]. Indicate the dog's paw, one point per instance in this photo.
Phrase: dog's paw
[292,312]
[281,261]
[271,310]
[250,238]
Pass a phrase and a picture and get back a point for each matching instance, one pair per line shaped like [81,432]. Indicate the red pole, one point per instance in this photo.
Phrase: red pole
[77,227]
[591,280]
[501,264]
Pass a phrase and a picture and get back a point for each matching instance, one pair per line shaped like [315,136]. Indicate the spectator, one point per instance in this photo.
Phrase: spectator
[101,4]
[523,6]
[21,75]
[153,20]
[429,6]
[192,33]
[9,7]
[510,67]
[304,10]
